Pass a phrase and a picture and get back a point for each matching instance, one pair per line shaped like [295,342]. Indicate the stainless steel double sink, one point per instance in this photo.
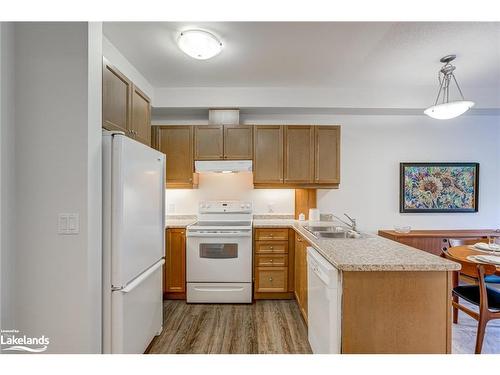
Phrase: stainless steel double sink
[331,232]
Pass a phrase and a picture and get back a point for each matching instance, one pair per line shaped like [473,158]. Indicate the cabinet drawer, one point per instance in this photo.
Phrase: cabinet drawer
[271,260]
[271,247]
[271,279]
[278,234]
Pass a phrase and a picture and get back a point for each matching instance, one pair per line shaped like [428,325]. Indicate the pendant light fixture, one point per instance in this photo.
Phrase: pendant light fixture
[446,109]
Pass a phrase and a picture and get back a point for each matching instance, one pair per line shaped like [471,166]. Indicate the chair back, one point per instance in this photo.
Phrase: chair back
[462,241]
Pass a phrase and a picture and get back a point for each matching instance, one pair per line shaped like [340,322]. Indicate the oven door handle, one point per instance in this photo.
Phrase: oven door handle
[219,234]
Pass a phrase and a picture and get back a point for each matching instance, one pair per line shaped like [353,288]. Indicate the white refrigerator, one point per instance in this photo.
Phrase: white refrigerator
[133,243]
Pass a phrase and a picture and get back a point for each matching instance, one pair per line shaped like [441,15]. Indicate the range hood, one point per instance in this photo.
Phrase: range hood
[223,166]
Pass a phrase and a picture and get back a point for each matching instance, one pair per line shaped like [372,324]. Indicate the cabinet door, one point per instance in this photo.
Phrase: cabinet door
[299,154]
[141,116]
[238,142]
[303,278]
[268,154]
[176,142]
[208,142]
[175,262]
[301,275]
[327,154]
[116,90]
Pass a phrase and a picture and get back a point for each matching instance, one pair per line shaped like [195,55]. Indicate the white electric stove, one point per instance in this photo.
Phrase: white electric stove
[219,253]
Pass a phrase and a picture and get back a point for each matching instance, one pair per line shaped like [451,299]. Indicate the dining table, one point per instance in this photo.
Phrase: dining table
[462,252]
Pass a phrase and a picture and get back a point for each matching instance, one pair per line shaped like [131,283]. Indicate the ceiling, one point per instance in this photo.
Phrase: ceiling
[350,55]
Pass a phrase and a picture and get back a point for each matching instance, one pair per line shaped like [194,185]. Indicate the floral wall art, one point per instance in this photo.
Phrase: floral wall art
[439,187]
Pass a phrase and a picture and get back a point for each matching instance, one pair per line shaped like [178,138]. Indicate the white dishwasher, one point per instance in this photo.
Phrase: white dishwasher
[324,304]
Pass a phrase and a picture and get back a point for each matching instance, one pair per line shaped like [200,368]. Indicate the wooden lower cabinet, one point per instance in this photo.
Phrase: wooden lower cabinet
[174,281]
[273,263]
[271,279]
[301,274]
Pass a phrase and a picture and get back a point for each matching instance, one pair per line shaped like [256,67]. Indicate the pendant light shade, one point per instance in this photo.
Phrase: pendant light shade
[448,109]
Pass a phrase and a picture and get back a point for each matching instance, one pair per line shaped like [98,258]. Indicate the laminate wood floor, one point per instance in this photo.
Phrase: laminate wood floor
[264,327]
[270,327]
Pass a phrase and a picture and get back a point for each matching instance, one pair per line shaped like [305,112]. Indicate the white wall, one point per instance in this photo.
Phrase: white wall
[236,186]
[372,148]
[58,80]
[313,97]
[110,52]
[7,176]
[374,145]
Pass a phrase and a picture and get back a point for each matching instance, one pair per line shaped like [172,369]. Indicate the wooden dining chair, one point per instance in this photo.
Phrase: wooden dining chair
[492,279]
[485,298]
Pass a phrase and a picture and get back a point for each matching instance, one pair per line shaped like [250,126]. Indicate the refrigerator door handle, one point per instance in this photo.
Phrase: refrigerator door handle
[143,277]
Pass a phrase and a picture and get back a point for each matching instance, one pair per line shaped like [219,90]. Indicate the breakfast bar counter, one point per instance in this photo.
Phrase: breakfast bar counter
[370,253]
[393,298]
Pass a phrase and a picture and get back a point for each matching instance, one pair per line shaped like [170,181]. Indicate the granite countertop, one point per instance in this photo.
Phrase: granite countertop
[179,221]
[370,253]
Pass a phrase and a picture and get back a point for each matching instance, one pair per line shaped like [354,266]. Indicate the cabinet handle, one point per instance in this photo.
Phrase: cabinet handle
[271,260]
[271,279]
[271,247]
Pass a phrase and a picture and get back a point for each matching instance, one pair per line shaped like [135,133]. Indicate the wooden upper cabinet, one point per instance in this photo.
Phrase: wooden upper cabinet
[238,142]
[299,154]
[268,154]
[124,106]
[208,142]
[175,261]
[327,154]
[116,90]
[141,116]
[176,142]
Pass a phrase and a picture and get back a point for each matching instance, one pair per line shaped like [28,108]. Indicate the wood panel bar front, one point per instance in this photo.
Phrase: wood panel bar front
[396,312]
[434,241]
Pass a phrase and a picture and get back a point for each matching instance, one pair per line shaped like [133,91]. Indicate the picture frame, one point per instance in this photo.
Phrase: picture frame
[438,187]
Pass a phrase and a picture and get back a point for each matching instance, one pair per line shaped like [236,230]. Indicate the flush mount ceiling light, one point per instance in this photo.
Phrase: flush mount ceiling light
[199,44]
[446,109]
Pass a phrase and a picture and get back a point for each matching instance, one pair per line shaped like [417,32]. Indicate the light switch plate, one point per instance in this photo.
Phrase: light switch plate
[68,223]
